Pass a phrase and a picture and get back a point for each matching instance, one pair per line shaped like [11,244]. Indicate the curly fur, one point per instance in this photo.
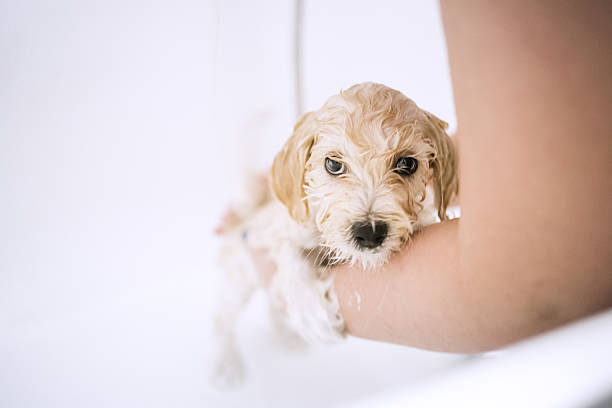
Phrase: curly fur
[306,225]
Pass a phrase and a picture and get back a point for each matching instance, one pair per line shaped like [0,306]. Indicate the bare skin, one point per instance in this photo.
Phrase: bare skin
[533,249]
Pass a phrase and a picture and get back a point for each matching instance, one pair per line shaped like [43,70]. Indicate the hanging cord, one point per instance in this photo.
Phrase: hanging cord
[297,58]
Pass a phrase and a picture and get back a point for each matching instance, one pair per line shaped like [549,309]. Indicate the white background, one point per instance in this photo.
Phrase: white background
[125,131]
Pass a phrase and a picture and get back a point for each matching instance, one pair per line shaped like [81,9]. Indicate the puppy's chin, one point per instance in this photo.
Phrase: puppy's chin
[347,252]
[341,247]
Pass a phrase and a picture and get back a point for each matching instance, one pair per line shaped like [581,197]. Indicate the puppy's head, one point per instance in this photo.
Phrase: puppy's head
[359,169]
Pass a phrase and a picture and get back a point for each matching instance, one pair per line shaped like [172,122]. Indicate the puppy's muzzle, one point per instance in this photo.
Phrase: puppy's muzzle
[368,235]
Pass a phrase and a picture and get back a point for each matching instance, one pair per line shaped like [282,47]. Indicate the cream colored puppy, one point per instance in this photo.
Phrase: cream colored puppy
[355,180]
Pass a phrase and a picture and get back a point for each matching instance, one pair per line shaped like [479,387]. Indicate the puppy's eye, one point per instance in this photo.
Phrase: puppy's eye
[406,166]
[334,167]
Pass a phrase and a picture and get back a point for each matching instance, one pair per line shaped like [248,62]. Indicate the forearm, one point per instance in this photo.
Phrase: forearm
[433,296]
[415,299]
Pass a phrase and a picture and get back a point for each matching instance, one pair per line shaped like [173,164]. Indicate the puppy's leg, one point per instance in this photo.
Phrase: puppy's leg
[283,335]
[312,308]
[229,368]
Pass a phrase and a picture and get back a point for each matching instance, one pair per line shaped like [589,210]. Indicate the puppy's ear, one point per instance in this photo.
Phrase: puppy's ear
[288,168]
[444,164]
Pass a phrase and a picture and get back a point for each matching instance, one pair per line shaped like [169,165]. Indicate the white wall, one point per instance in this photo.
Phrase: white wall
[124,129]
[106,113]
[400,44]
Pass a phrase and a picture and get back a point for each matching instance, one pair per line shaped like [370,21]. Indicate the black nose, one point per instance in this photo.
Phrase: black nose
[369,236]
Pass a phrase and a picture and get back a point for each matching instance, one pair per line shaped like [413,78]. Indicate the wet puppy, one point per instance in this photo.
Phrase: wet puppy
[355,180]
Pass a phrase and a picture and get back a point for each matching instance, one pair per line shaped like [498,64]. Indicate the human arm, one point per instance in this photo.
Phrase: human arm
[532,249]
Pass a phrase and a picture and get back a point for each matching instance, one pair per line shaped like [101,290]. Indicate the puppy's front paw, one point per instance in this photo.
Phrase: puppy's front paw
[229,371]
[284,336]
[315,314]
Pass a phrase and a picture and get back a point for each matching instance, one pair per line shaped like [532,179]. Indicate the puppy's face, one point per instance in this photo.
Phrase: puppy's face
[359,168]
[365,182]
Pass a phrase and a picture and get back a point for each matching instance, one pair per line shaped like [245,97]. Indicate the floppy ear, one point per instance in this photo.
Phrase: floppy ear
[444,164]
[288,168]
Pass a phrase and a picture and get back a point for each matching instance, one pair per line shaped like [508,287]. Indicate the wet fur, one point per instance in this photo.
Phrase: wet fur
[305,224]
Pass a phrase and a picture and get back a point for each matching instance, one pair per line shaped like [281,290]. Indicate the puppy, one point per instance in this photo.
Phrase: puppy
[356,179]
